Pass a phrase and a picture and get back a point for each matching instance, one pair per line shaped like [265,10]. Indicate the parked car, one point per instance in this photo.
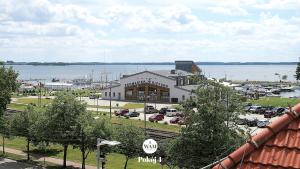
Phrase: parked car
[156,117]
[163,110]
[175,120]
[121,112]
[277,111]
[263,123]
[171,112]
[132,114]
[251,122]
[263,109]
[242,121]
[255,109]
[150,110]
[94,96]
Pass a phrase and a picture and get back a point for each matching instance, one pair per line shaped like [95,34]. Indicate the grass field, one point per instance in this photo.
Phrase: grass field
[140,123]
[33,100]
[16,106]
[126,106]
[276,101]
[114,160]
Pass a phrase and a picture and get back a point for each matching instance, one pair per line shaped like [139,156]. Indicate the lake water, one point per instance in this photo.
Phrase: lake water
[232,72]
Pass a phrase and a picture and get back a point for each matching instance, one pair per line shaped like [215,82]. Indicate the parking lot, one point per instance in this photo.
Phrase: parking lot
[260,113]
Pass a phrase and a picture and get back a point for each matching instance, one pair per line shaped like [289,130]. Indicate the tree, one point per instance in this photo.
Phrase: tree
[22,124]
[90,130]
[8,84]
[211,130]
[61,121]
[5,130]
[131,139]
[297,75]
[163,151]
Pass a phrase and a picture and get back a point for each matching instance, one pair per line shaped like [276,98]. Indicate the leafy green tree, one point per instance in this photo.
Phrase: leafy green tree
[90,130]
[5,130]
[297,75]
[131,139]
[61,121]
[211,130]
[163,151]
[8,84]
[22,124]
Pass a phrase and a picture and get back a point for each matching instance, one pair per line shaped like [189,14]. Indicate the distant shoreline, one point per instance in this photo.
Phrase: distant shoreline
[143,63]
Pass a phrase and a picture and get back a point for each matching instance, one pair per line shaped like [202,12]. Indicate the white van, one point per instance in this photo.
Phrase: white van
[171,112]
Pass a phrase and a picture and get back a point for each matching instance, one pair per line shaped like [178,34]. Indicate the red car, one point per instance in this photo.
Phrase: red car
[175,120]
[121,112]
[156,117]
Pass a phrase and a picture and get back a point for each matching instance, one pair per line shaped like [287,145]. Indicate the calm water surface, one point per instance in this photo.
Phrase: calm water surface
[232,72]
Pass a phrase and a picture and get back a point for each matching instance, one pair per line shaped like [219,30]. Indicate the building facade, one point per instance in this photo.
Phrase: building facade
[171,86]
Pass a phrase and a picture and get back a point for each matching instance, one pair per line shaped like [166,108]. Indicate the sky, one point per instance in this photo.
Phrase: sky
[149,30]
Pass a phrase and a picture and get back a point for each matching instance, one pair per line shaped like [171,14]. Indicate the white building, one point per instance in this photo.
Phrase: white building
[58,86]
[160,86]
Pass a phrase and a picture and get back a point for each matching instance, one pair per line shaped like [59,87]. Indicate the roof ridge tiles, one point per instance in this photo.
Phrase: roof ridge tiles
[259,139]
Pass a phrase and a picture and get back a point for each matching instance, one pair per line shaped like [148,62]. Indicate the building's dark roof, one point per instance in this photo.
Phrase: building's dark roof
[275,147]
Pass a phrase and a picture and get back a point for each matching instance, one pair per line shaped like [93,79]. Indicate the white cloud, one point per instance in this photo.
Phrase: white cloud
[228,10]
[278,4]
[136,32]
[43,11]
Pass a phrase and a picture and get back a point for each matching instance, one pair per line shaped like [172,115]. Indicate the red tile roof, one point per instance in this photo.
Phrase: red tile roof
[275,147]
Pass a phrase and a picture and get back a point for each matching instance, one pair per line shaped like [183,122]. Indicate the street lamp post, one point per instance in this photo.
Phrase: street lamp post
[110,99]
[100,143]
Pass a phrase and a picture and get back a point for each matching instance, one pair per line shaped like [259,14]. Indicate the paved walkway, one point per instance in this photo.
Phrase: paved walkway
[47,159]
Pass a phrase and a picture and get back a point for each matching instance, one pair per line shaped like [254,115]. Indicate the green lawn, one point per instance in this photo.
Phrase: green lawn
[141,123]
[276,101]
[16,106]
[133,106]
[126,106]
[138,123]
[32,100]
[115,160]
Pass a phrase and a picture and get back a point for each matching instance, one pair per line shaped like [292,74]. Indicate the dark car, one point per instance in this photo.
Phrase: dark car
[175,120]
[263,123]
[93,96]
[163,110]
[150,110]
[156,117]
[132,114]
[121,112]
[254,109]
[251,122]
[277,111]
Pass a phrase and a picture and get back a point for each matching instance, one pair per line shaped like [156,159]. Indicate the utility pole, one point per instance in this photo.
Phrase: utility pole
[110,99]
[145,103]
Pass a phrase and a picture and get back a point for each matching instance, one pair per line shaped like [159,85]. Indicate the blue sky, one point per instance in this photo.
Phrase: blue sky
[149,30]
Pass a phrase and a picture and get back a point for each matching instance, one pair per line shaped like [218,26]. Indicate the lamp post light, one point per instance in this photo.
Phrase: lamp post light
[101,142]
